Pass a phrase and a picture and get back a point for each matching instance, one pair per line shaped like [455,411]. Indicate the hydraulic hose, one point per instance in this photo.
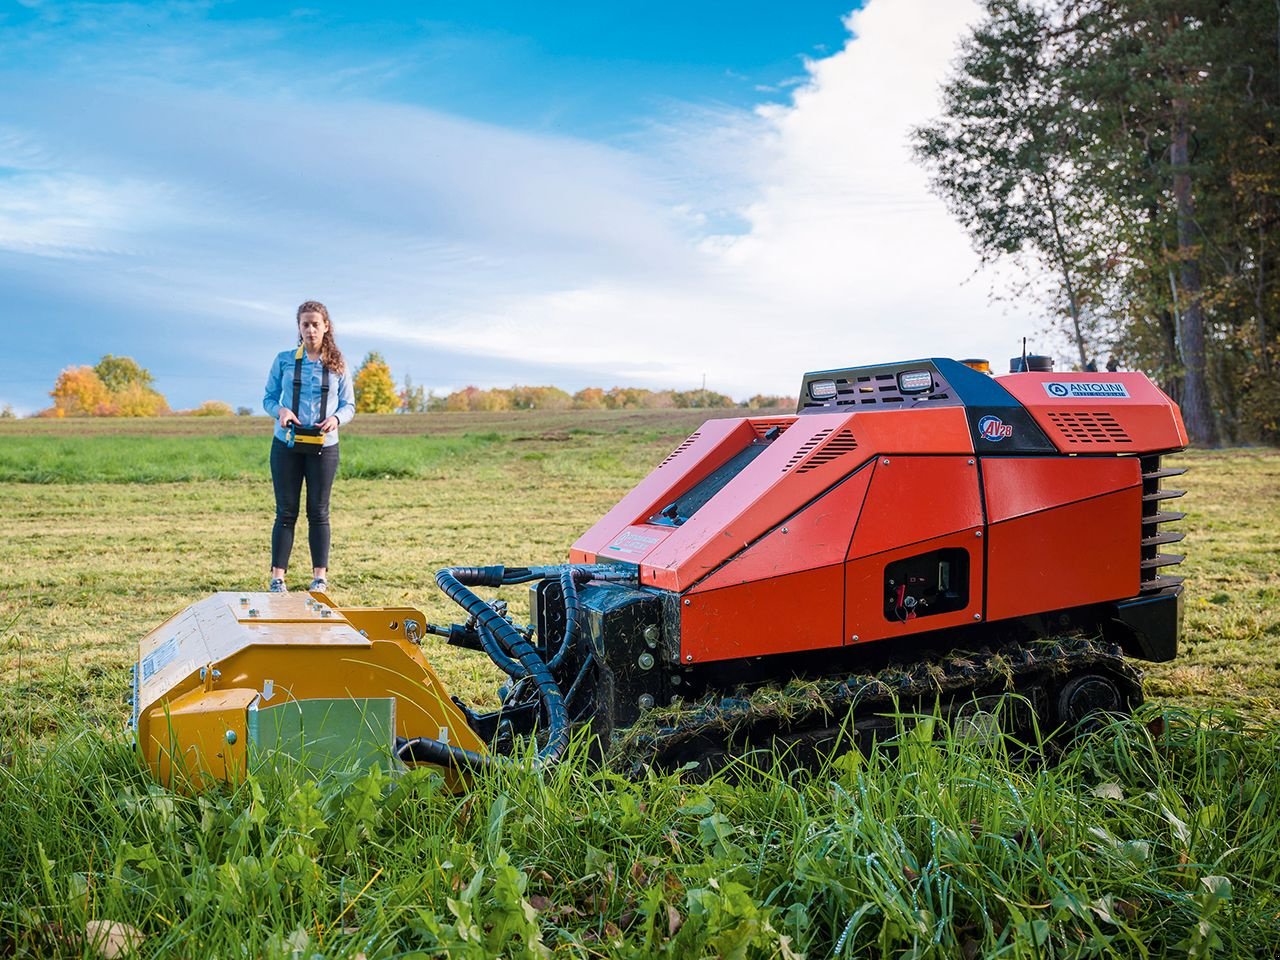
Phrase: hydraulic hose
[515,655]
[572,613]
[454,581]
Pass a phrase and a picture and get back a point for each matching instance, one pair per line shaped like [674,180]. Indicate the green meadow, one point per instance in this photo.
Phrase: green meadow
[1154,837]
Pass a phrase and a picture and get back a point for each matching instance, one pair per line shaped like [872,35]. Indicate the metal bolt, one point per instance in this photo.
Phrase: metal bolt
[326,612]
[651,635]
[244,601]
[977,616]
[645,661]
[645,701]
[854,638]
[675,680]
[217,674]
[977,533]
[784,529]
[203,673]
[688,658]
[253,611]
[686,601]
[885,461]
[971,463]
[231,736]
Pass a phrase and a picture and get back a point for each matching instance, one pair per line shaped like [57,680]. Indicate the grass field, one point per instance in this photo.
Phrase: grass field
[1149,841]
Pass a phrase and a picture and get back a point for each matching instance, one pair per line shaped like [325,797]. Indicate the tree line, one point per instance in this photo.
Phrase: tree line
[376,392]
[1130,146]
[120,387]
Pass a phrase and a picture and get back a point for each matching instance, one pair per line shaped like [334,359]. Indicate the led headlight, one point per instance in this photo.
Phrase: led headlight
[915,381]
[822,389]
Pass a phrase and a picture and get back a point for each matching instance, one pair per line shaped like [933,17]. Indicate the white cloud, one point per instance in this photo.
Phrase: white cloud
[748,247]
[846,258]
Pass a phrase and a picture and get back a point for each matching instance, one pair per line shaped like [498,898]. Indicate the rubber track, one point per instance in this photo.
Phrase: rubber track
[690,733]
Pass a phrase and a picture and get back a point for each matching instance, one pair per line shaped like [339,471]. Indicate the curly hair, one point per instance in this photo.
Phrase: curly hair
[330,355]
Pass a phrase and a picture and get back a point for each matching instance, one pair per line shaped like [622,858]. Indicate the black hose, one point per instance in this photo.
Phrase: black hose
[515,655]
[454,582]
[572,613]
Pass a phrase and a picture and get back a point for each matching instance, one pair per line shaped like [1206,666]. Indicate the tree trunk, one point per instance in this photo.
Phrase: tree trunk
[1195,387]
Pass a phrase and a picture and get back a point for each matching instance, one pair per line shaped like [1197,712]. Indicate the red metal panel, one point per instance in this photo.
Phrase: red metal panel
[1065,557]
[913,499]
[818,536]
[865,619]
[1016,486]
[1142,421]
[799,611]
[710,446]
[779,482]
[761,496]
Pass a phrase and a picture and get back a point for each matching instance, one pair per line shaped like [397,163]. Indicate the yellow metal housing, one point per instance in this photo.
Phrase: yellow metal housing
[205,676]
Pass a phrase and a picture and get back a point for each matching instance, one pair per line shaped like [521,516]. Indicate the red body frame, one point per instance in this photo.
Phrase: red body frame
[802,535]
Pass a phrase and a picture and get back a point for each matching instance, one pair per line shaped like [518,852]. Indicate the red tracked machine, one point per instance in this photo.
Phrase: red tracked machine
[916,530]
[917,535]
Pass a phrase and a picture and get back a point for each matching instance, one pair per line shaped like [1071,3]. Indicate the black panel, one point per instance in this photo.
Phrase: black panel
[1006,429]
[876,388]
[1148,627]
[926,584]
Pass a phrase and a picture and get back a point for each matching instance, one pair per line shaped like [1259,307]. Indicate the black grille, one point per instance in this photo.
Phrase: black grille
[876,389]
[1154,563]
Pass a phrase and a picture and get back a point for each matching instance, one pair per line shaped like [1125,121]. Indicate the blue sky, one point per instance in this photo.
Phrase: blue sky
[489,193]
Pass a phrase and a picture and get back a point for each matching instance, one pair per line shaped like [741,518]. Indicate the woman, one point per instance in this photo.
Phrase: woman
[310,395]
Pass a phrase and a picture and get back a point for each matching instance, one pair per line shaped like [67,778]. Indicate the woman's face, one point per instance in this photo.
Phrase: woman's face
[312,327]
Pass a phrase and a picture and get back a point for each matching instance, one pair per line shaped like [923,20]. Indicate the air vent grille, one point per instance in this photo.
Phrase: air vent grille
[806,448]
[877,389]
[1153,563]
[685,445]
[842,443]
[761,427]
[1089,427]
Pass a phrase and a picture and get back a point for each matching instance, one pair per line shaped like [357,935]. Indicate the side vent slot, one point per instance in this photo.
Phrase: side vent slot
[762,427]
[1087,427]
[1154,562]
[806,448]
[842,443]
[685,445]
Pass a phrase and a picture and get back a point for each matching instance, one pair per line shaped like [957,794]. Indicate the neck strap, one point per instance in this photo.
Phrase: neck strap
[297,384]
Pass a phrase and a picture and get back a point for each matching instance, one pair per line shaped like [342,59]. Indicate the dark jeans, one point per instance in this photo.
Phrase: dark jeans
[288,470]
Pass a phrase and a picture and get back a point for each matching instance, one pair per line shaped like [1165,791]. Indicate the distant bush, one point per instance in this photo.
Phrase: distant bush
[214,408]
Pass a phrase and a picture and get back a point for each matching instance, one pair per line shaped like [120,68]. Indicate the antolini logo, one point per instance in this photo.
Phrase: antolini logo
[994,429]
[1087,389]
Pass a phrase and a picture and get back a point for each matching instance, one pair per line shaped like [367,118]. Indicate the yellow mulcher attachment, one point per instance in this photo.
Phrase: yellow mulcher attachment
[242,679]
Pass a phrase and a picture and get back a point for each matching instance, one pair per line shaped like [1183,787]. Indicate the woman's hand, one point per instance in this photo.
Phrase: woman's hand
[329,423]
[287,417]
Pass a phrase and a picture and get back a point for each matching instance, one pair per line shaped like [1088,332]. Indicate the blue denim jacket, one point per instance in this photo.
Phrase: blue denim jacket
[340,403]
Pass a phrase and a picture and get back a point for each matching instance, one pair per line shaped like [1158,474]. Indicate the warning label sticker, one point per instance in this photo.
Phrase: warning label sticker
[1087,389]
[634,543]
[159,658]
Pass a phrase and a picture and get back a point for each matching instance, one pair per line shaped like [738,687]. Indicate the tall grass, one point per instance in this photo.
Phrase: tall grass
[1155,838]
